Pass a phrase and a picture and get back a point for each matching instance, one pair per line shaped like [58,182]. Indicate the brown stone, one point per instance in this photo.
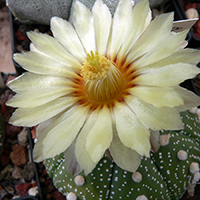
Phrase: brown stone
[19,155]
[58,196]
[12,131]
[4,160]
[22,190]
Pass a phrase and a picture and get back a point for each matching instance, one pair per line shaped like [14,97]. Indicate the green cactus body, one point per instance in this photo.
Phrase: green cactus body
[162,176]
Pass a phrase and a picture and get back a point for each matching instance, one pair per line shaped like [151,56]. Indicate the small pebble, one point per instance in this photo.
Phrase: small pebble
[141,197]
[17,172]
[33,191]
[16,197]
[23,137]
[28,171]
[137,177]
[19,155]
[164,140]
[194,167]
[10,190]
[71,196]
[3,193]
[182,155]
[57,195]
[191,13]
[22,190]
[79,180]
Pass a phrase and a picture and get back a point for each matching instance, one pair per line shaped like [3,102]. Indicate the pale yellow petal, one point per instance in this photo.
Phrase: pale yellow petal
[102,25]
[136,26]
[158,96]
[151,37]
[190,99]
[42,64]
[81,153]
[132,133]
[120,25]
[154,140]
[190,56]
[155,118]
[100,135]
[42,126]
[168,45]
[124,157]
[30,81]
[83,22]
[71,162]
[49,46]
[34,90]
[33,116]
[60,134]
[64,33]
[168,75]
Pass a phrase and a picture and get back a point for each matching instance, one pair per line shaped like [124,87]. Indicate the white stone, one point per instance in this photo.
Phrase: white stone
[16,197]
[137,177]
[191,13]
[164,140]
[79,180]
[194,167]
[33,191]
[71,196]
[141,197]
[182,155]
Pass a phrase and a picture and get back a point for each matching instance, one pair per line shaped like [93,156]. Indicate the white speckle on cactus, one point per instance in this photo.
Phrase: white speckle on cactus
[190,190]
[141,197]
[194,167]
[196,178]
[79,180]
[164,140]
[137,177]
[71,196]
[182,155]
[193,110]
[198,111]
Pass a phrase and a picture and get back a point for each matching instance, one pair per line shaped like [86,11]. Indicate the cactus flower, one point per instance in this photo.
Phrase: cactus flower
[103,84]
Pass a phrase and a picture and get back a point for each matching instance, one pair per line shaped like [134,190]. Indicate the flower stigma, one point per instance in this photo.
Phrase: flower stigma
[103,81]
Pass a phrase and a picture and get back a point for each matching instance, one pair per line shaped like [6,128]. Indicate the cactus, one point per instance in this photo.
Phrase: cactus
[165,175]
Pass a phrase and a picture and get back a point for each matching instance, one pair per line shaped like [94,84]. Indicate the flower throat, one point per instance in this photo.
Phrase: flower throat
[103,82]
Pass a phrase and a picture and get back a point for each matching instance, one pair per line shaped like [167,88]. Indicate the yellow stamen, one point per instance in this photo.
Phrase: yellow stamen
[96,67]
[103,81]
